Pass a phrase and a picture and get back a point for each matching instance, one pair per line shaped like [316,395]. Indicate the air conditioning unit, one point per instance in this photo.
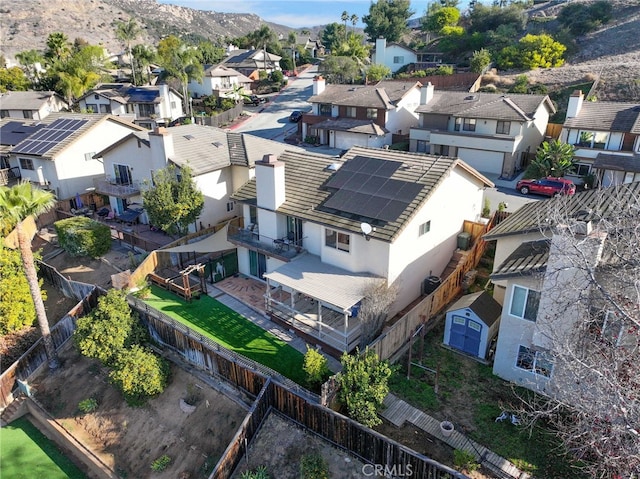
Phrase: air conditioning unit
[430,284]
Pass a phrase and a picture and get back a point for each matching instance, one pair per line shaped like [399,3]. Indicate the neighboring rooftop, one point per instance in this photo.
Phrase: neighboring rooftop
[26,100]
[607,116]
[124,93]
[528,258]
[384,94]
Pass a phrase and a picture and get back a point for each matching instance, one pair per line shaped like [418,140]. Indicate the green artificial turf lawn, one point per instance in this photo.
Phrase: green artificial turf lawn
[231,330]
[27,454]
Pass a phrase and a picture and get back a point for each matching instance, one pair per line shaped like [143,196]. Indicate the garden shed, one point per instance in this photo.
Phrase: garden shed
[471,324]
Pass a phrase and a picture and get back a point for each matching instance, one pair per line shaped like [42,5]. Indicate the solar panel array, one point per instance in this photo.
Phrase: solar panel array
[365,188]
[49,136]
[14,132]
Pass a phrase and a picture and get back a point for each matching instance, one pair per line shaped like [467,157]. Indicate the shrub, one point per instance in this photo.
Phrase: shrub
[139,374]
[88,405]
[464,461]
[277,76]
[259,473]
[161,463]
[313,466]
[316,367]
[480,60]
[81,236]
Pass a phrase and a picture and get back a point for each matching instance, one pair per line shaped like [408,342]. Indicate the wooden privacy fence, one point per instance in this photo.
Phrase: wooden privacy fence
[391,341]
[368,445]
[220,119]
[35,356]
[71,289]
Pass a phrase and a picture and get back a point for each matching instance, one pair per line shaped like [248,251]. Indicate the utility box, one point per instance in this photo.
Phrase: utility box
[464,241]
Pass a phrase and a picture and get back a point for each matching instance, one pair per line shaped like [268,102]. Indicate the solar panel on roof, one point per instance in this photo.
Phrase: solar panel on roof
[14,132]
[49,136]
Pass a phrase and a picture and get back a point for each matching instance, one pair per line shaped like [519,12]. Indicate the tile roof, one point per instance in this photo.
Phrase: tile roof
[384,94]
[247,58]
[591,204]
[529,258]
[608,161]
[306,173]
[25,100]
[607,116]
[486,105]
[352,125]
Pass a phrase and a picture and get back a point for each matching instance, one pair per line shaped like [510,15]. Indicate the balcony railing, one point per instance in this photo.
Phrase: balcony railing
[9,175]
[250,238]
[108,186]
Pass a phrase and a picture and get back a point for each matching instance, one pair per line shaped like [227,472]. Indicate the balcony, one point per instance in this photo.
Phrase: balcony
[279,248]
[110,187]
[9,176]
[467,139]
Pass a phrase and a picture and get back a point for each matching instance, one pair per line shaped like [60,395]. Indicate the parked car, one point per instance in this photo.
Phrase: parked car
[254,100]
[549,186]
[295,116]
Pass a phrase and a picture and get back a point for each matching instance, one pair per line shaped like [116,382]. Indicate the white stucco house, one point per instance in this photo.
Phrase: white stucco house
[606,136]
[319,229]
[392,55]
[147,106]
[542,277]
[57,153]
[31,105]
[251,62]
[220,162]
[218,80]
[343,116]
[492,132]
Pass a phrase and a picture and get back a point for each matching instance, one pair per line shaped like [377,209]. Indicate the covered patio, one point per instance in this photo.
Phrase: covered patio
[319,301]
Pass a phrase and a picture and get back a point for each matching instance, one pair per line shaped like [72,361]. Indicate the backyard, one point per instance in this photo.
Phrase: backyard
[231,330]
[471,397]
[26,453]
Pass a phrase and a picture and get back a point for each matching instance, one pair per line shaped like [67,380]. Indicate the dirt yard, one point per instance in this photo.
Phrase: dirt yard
[129,439]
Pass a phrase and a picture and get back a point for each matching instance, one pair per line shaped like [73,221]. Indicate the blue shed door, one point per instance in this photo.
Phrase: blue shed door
[465,335]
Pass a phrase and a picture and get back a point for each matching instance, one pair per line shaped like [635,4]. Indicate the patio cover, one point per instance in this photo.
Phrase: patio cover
[211,244]
[322,281]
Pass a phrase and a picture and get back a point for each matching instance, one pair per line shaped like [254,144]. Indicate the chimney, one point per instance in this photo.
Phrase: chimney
[575,104]
[161,146]
[381,50]
[163,91]
[426,93]
[270,182]
[318,85]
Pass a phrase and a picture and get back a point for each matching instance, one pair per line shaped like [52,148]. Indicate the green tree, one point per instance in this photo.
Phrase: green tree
[354,47]
[378,72]
[442,17]
[29,60]
[127,32]
[338,69]
[292,41]
[210,54]
[484,19]
[16,305]
[16,205]
[58,48]
[175,201]
[540,51]
[332,35]
[363,385]
[316,367]
[480,60]
[581,18]
[354,21]
[388,19]
[345,18]
[144,56]
[139,374]
[180,62]
[108,329]
[553,158]
[13,79]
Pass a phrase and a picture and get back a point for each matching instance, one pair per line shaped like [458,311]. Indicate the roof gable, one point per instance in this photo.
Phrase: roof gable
[384,94]
[607,116]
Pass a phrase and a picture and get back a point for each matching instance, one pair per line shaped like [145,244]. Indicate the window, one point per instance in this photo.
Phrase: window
[130,108]
[324,109]
[441,150]
[253,215]
[422,146]
[424,228]
[591,139]
[173,105]
[96,97]
[372,113]
[503,127]
[4,113]
[89,156]
[350,112]
[230,205]
[469,124]
[337,240]
[146,110]
[27,114]
[582,170]
[536,362]
[524,303]
[398,59]
[26,164]
[105,108]
[457,124]
[610,327]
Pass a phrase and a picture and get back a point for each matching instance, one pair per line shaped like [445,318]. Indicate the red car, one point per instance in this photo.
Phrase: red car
[549,186]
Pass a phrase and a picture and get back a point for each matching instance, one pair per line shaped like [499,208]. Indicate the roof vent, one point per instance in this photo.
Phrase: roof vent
[333,167]
[189,137]
[217,144]
[471,97]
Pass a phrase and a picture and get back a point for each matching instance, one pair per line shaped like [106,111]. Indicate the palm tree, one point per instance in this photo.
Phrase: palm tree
[553,158]
[354,21]
[128,32]
[29,60]
[144,56]
[58,47]
[17,204]
[345,18]
[293,40]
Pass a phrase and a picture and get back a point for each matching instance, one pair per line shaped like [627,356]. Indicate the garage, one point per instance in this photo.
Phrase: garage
[481,160]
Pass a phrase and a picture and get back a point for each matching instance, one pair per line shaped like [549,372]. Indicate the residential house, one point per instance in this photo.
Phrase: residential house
[536,275]
[606,135]
[494,133]
[251,62]
[219,80]
[392,55]
[343,116]
[57,153]
[319,229]
[220,163]
[147,106]
[30,105]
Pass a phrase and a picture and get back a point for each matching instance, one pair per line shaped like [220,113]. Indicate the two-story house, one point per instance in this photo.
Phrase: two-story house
[319,229]
[392,55]
[147,106]
[251,62]
[492,132]
[607,139]
[30,105]
[343,116]
[218,80]
[547,256]
[57,153]
[220,163]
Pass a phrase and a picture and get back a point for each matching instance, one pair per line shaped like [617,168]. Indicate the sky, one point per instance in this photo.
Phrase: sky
[294,13]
